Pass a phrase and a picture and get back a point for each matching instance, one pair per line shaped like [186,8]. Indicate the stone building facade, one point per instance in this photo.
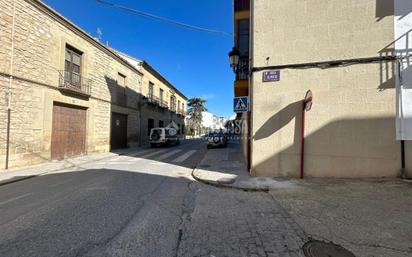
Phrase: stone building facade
[350,130]
[67,93]
[162,105]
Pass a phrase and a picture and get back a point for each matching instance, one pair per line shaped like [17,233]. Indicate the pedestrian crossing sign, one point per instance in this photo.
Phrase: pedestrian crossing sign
[241,104]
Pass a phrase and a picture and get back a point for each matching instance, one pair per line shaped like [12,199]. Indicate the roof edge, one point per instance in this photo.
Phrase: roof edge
[77,30]
[146,65]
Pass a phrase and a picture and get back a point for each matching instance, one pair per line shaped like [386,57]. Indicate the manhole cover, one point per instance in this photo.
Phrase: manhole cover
[323,249]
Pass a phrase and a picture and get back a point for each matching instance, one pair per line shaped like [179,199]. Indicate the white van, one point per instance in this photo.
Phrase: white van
[163,136]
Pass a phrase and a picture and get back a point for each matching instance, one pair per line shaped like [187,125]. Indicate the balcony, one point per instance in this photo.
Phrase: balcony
[173,107]
[243,69]
[242,5]
[163,104]
[181,113]
[73,83]
[154,100]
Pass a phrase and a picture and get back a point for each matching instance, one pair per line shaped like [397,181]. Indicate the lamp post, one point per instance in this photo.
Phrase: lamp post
[234,56]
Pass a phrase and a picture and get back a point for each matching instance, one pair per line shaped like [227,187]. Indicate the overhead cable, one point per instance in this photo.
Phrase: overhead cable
[163,19]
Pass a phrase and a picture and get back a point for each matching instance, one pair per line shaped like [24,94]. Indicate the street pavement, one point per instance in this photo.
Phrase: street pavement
[143,203]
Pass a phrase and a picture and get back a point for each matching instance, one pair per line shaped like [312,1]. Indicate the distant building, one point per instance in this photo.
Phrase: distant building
[161,103]
[352,128]
[212,121]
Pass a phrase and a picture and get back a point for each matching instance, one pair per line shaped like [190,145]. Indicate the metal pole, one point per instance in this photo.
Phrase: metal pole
[302,146]
[8,139]
[403,175]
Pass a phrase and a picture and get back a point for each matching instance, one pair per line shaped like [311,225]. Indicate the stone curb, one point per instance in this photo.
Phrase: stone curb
[227,186]
[17,179]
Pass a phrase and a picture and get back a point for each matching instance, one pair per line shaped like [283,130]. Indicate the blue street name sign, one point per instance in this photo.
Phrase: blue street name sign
[241,104]
[273,75]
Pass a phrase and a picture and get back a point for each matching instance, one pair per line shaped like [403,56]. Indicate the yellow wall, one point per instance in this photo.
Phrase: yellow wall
[350,131]
[158,84]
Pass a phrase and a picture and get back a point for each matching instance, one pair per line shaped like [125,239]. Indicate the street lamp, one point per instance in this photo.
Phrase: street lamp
[234,56]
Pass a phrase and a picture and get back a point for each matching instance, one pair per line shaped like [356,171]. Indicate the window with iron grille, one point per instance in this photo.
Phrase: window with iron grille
[173,103]
[150,92]
[72,66]
[243,37]
[161,91]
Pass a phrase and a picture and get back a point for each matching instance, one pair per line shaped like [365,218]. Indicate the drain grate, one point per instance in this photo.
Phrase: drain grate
[316,248]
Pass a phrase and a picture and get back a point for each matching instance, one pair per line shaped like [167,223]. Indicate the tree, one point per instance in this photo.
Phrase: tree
[196,107]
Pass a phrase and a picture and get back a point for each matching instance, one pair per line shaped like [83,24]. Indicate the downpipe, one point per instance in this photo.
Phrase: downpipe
[302,140]
[9,90]
[306,106]
[8,139]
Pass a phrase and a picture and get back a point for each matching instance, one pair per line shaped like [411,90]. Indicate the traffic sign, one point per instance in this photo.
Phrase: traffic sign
[241,104]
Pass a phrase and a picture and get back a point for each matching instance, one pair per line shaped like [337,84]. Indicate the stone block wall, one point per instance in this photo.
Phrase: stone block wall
[40,38]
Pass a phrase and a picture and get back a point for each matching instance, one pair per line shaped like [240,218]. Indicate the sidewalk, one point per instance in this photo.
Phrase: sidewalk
[14,175]
[225,167]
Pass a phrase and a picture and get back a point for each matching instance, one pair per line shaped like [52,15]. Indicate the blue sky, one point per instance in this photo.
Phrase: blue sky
[194,62]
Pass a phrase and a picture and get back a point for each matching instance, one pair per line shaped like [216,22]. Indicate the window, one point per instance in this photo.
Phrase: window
[161,95]
[241,5]
[243,37]
[72,66]
[150,125]
[183,108]
[121,80]
[178,106]
[161,124]
[173,103]
[150,93]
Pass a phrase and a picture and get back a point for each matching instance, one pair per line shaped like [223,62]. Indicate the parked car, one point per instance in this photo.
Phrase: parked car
[163,137]
[216,139]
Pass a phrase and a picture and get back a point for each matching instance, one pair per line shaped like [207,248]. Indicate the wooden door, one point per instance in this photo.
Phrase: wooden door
[118,138]
[68,131]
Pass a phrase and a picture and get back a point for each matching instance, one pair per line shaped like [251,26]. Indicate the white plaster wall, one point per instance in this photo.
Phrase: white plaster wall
[403,47]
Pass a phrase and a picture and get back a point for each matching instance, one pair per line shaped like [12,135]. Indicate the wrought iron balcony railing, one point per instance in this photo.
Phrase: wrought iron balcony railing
[152,99]
[163,104]
[243,69]
[74,83]
[181,113]
[173,107]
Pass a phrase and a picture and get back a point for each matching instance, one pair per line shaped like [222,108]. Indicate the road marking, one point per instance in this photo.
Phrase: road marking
[145,156]
[182,158]
[14,199]
[143,152]
[167,155]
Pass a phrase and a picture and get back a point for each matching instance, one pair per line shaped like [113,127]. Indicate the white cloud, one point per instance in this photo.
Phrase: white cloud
[208,96]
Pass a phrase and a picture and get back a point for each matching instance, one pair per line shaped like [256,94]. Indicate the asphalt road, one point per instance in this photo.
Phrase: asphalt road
[144,204]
